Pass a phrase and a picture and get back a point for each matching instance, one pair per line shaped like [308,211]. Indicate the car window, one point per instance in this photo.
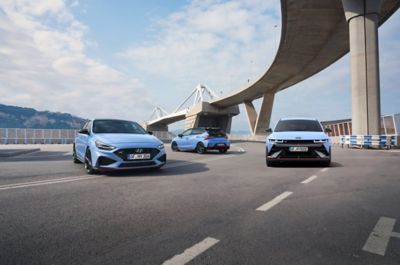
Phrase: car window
[117,126]
[298,125]
[216,132]
[187,132]
[197,131]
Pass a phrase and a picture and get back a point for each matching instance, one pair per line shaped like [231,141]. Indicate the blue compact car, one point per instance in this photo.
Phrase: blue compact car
[201,140]
[108,145]
[298,139]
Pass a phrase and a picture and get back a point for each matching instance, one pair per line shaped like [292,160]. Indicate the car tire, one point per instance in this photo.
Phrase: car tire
[326,163]
[174,147]
[88,163]
[271,163]
[200,148]
[223,151]
[74,158]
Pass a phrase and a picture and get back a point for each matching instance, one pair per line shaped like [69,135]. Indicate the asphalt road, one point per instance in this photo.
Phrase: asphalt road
[202,209]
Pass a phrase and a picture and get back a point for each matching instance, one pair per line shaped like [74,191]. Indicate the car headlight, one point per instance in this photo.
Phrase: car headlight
[161,146]
[275,140]
[103,146]
[319,141]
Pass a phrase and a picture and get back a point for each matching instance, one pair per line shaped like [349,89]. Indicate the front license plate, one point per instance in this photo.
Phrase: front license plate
[220,144]
[298,149]
[138,156]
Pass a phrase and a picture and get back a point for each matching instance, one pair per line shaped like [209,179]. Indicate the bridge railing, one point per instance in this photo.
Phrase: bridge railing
[36,136]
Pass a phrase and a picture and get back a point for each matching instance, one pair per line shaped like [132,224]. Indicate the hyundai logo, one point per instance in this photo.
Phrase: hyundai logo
[139,150]
[298,138]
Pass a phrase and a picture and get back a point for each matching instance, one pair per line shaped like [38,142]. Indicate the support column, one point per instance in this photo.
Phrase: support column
[363,18]
[264,117]
[251,115]
[259,123]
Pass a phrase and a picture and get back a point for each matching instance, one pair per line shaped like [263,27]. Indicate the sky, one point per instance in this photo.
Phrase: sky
[120,59]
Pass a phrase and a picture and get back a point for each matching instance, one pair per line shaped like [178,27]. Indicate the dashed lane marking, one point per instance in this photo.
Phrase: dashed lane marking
[379,238]
[265,207]
[45,182]
[192,252]
[325,169]
[306,181]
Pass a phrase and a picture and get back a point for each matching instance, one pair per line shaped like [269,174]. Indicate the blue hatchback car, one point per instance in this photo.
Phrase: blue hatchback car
[201,140]
[109,144]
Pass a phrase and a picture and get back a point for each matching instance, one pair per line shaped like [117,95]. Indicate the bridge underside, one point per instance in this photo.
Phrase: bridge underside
[205,115]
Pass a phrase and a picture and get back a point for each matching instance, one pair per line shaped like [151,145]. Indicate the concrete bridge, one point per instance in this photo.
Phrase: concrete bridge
[315,34]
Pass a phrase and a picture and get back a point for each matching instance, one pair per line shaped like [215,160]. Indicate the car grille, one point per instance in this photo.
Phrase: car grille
[138,164]
[123,153]
[285,153]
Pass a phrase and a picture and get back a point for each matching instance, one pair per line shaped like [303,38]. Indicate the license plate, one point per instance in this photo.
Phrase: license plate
[220,144]
[298,149]
[138,156]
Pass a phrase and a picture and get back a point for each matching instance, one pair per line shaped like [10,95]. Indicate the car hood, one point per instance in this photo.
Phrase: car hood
[298,135]
[120,138]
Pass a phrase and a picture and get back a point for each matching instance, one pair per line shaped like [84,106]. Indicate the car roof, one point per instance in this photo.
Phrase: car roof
[298,118]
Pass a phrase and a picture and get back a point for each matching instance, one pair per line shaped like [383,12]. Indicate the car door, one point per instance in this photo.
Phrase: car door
[195,137]
[82,141]
[184,140]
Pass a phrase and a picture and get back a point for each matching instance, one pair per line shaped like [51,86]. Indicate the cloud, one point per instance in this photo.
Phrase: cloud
[220,44]
[43,64]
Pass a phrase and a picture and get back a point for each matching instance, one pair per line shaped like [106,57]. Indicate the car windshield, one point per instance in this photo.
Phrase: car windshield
[298,125]
[216,133]
[117,126]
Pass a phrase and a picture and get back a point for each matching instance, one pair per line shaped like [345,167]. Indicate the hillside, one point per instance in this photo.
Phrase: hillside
[18,117]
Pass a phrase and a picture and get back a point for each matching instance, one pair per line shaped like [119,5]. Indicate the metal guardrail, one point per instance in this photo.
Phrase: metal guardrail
[377,141]
[52,136]
[36,136]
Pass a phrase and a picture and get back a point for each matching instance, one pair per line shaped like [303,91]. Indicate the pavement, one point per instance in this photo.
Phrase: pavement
[202,209]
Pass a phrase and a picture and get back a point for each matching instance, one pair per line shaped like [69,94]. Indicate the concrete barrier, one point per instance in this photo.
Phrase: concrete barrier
[369,141]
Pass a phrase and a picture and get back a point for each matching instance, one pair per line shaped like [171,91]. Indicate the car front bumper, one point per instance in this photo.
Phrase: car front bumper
[282,152]
[118,159]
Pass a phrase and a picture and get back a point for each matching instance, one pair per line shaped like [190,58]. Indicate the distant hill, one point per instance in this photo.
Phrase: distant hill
[18,117]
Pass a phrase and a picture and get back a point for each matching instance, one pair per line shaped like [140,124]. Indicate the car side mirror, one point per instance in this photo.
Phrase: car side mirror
[84,131]
[150,132]
[328,130]
[269,130]
[180,135]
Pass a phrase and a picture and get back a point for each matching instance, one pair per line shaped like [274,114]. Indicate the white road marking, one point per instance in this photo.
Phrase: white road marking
[309,179]
[239,149]
[325,169]
[380,236]
[192,252]
[45,182]
[275,201]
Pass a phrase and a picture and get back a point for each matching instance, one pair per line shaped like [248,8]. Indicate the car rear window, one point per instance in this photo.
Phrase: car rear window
[298,125]
[216,133]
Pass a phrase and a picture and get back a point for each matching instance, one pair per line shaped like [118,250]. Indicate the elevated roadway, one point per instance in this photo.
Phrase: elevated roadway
[314,35]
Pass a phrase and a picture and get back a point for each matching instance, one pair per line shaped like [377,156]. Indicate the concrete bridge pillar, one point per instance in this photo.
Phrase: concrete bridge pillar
[260,122]
[363,18]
